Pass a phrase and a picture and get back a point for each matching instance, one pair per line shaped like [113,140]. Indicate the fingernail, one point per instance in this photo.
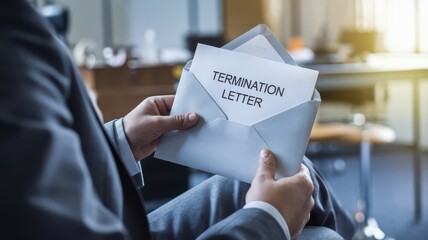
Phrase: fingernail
[192,116]
[265,154]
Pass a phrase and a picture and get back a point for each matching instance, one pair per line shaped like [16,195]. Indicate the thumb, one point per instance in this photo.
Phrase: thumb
[177,122]
[267,165]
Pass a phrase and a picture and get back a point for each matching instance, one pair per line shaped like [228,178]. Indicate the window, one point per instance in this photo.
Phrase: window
[401,22]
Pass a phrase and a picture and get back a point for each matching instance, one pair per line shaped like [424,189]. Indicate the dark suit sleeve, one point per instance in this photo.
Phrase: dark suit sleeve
[245,224]
[47,191]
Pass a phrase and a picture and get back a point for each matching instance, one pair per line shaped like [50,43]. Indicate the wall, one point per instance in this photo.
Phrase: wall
[130,18]
[86,20]
[169,19]
[325,15]
[400,110]
[424,113]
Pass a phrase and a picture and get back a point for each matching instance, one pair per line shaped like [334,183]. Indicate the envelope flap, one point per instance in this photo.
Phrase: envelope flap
[287,133]
[316,96]
[192,97]
[222,147]
[188,65]
[261,30]
[307,109]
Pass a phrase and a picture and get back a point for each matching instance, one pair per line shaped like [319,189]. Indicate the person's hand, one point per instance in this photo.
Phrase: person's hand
[292,196]
[149,120]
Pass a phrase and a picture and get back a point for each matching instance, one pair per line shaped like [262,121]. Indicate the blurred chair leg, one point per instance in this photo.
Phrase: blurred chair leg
[367,225]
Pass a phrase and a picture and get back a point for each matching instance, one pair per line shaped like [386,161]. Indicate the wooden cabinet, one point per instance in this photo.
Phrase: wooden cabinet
[119,90]
[239,16]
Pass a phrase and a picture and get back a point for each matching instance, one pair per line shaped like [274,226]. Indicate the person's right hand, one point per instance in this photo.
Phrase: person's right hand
[292,196]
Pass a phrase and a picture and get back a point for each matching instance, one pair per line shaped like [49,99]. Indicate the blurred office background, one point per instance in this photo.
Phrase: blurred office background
[373,61]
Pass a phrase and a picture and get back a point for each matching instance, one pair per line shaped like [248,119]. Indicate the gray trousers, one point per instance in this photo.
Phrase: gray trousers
[195,211]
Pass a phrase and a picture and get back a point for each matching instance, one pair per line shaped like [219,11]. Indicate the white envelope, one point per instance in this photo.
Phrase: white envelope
[227,148]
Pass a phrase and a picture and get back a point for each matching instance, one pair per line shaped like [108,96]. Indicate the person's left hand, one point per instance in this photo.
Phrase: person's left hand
[149,120]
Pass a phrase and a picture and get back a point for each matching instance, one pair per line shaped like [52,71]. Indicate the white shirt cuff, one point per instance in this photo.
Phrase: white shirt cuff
[125,151]
[271,210]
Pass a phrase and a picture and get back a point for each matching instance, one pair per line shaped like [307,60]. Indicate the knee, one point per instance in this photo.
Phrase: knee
[228,188]
[229,183]
[319,233]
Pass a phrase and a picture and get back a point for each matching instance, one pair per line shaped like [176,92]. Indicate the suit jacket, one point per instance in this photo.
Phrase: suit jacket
[60,175]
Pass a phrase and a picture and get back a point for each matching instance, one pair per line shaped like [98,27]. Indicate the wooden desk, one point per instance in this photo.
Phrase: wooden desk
[346,133]
[345,76]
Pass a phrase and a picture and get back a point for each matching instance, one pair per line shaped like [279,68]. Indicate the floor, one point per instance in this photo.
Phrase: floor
[392,187]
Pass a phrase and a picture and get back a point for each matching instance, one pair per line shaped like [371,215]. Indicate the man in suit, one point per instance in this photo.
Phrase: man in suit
[64,175]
